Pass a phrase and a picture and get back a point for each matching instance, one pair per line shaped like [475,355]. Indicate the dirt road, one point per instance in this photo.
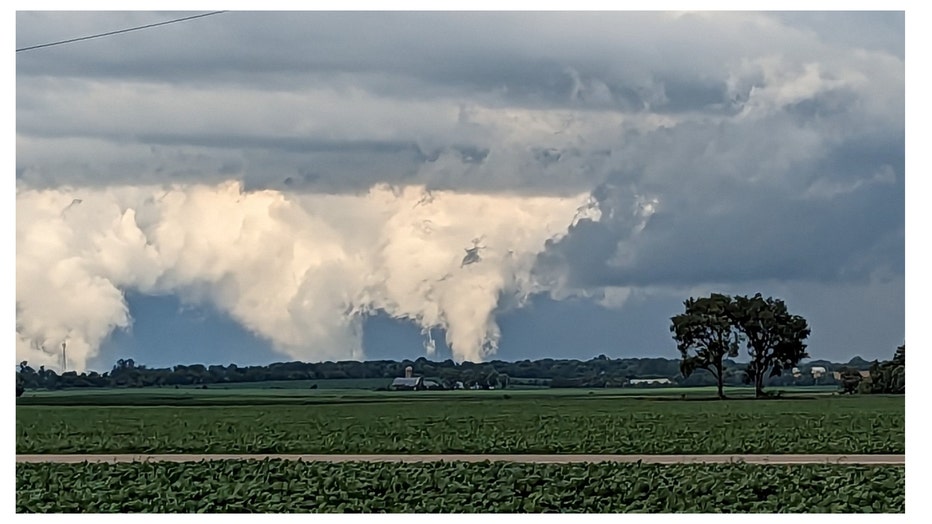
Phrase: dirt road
[538,459]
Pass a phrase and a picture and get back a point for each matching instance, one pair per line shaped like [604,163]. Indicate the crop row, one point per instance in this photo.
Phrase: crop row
[514,426]
[275,486]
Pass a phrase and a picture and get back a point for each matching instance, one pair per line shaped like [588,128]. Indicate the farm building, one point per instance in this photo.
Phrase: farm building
[408,383]
[864,375]
[817,372]
[636,381]
[411,383]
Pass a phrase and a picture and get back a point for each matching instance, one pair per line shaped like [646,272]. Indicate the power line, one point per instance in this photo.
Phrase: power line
[118,32]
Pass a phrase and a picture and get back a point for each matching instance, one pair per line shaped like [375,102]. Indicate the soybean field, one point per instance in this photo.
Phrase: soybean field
[275,486]
[502,423]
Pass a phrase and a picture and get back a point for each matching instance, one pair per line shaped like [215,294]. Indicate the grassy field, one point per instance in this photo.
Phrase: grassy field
[560,421]
[322,384]
[297,487]
[347,390]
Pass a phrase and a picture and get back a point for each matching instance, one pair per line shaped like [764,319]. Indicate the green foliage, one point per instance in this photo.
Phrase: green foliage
[601,371]
[850,380]
[598,372]
[539,424]
[712,328]
[274,486]
[705,335]
[774,337]
[889,376]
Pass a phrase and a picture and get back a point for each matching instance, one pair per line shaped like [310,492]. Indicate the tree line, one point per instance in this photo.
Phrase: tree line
[888,376]
[598,372]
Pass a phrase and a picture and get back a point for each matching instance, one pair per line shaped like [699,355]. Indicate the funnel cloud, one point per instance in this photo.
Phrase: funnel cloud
[300,270]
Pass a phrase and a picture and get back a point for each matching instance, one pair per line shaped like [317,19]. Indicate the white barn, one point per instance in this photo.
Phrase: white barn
[634,381]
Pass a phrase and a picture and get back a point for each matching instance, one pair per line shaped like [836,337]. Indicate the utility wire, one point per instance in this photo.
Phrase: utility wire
[118,32]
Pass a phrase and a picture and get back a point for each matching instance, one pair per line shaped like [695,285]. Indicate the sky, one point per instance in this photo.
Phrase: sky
[253,187]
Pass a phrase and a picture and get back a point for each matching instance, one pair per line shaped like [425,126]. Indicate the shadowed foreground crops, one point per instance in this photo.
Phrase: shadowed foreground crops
[282,486]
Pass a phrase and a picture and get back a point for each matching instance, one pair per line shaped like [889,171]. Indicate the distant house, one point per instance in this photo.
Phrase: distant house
[408,383]
[864,374]
[414,384]
[817,371]
[636,381]
[411,383]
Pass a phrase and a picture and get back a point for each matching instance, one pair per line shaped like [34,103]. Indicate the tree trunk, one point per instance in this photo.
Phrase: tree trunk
[721,381]
[759,385]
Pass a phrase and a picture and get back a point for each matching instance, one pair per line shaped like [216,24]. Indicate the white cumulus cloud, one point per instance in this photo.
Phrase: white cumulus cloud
[300,270]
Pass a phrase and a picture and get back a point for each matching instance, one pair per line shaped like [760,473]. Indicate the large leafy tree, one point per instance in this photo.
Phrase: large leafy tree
[705,335]
[889,376]
[850,380]
[775,338]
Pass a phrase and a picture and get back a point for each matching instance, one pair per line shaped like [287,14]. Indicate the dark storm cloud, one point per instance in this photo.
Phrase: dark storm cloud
[466,52]
[813,192]
[524,57]
[280,80]
[836,215]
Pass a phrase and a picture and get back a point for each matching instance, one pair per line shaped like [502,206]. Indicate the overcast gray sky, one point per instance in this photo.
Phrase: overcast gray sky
[309,185]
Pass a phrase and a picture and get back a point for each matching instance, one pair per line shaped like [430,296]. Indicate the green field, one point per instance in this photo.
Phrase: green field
[569,421]
[276,419]
[296,487]
[323,384]
[348,390]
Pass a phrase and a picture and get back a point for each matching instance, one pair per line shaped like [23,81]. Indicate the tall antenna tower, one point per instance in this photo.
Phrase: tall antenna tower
[64,359]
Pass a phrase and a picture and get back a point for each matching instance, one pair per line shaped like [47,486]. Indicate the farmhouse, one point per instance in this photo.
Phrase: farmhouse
[411,383]
[636,381]
[406,383]
[816,371]
[864,374]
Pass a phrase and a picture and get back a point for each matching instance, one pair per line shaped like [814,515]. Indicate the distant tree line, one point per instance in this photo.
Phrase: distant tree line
[888,376]
[598,372]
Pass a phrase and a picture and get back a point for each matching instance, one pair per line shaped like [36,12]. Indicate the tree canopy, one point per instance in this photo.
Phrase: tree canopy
[713,328]
[774,337]
[705,335]
[889,376]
